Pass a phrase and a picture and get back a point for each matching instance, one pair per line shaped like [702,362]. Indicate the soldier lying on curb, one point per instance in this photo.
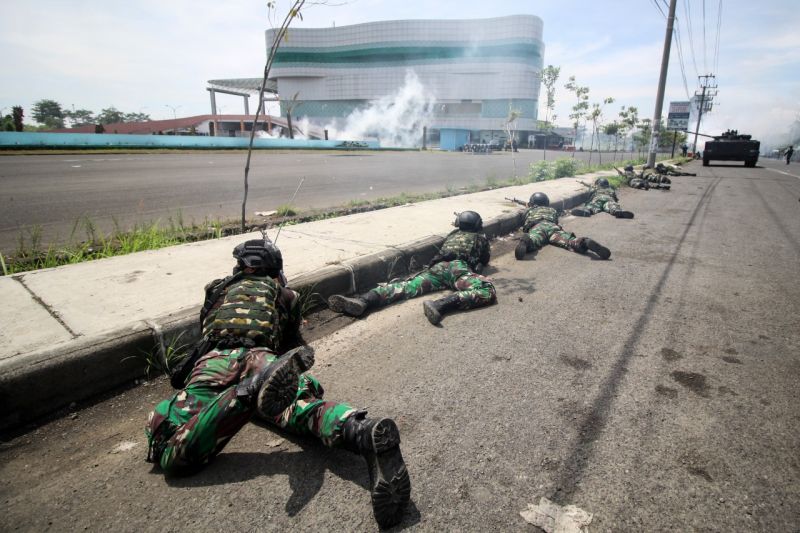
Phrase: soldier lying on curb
[633,181]
[603,198]
[241,368]
[464,253]
[541,227]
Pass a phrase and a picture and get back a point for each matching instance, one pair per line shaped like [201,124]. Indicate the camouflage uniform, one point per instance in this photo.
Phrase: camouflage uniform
[603,199]
[541,225]
[188,430]
[454,269]
[634,181]
[657,180]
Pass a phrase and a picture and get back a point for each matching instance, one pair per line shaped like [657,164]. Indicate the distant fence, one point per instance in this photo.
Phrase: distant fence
[22,140]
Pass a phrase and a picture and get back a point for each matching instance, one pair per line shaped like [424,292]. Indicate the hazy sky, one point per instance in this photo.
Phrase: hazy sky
[144,55]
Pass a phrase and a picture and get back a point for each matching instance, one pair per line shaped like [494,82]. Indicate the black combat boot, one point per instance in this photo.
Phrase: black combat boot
[601,251]
[274,388]
[524,246]
[355,306]
[434,309]
[623,214]
[378,441]
[581,212]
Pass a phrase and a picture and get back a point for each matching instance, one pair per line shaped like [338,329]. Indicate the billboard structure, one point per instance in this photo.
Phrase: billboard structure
[678,117]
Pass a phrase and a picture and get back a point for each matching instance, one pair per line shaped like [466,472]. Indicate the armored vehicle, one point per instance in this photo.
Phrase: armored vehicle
[731,146]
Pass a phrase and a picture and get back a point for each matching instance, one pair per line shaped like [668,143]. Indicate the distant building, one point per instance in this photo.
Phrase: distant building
[478,70]
[222,125]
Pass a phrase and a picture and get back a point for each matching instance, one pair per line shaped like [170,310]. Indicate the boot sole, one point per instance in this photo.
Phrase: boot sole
[599,249]
[280,387]
[577,213]
[624,214]
[389,479]
[434,316]
[342,304]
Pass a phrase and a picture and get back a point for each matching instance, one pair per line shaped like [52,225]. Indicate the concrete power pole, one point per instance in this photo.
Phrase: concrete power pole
[662,82]
[705,102]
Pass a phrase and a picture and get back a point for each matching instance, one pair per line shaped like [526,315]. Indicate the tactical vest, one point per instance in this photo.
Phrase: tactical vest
[462,245]
[535,215]
[247,311]
[604,191]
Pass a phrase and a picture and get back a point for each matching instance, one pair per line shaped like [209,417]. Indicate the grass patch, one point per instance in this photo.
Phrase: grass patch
[286,210]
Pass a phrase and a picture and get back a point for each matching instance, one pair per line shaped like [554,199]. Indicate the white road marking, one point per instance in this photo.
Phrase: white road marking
[782,172]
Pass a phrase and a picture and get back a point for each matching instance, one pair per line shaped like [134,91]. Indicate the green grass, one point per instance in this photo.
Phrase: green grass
[286,210]
[173,352]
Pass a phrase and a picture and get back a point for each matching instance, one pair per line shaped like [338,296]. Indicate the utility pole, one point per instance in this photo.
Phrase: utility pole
[662,82]
[706,101]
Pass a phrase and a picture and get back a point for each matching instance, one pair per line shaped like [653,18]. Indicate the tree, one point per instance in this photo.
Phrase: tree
[49,113]
[629,117]
[136,117]
[549,78]
[17,114]
[80,117]
[279,37]
[579,109]
[7,123]
[110,115]
[613,130]
[510,126]
[596,116]
[642,137]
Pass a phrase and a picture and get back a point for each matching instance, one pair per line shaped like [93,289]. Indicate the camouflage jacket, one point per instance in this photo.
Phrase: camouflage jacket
[598,192]
[468,246]
[251,308]
[534,215]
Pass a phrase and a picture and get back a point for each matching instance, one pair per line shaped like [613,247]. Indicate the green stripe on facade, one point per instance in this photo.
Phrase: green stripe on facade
[528,52]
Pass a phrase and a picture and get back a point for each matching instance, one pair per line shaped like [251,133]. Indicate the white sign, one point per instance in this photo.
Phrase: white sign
[678,117]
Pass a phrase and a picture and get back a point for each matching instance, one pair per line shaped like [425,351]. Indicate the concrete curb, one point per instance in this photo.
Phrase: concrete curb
[58,378]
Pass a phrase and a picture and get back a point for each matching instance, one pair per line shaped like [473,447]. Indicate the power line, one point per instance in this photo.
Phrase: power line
[719,32]
[680,58]
[688,21]
[705,54]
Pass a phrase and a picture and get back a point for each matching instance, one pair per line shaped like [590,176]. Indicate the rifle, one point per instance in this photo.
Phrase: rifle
[621,173]
[516,201]
[584,183]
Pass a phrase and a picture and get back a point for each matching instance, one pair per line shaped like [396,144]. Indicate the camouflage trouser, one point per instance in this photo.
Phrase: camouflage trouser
[638,183]
[603,203]
[473,289]
[546,232]
[193,426]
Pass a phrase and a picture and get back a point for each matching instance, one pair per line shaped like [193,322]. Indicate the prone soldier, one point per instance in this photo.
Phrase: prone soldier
[671,170]
[541,227]
[656,179]
[243,367]
[457,267]
[603,198]
[633,181]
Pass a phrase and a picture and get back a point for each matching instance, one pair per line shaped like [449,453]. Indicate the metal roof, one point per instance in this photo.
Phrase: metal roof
[244,84]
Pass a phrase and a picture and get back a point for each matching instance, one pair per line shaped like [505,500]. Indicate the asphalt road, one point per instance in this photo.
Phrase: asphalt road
[54,192]
[657,390]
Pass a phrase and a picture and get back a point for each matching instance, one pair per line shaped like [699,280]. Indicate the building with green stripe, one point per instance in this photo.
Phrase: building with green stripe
[475,71]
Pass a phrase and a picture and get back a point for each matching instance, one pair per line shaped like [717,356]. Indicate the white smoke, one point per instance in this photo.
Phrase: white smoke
[396,120]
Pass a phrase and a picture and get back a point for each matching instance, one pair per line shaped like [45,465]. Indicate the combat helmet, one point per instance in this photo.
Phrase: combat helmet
[468,221]
[261,255]
[601,182]
[629,168]
[539,199]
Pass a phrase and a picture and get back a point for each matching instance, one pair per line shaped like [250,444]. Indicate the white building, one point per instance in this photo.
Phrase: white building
[477,70]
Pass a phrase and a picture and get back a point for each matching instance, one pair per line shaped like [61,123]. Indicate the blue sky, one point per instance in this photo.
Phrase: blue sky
[148,54]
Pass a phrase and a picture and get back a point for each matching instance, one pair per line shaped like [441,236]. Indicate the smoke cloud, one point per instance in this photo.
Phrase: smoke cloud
[396,120]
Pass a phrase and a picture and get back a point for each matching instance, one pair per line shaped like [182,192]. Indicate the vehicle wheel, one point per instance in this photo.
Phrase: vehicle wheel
[705,162]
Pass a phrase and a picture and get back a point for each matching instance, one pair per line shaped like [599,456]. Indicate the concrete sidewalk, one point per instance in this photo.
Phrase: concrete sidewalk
[79,330]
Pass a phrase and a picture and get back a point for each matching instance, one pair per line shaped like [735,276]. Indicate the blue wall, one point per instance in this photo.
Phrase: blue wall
[452,139]
[104,140]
